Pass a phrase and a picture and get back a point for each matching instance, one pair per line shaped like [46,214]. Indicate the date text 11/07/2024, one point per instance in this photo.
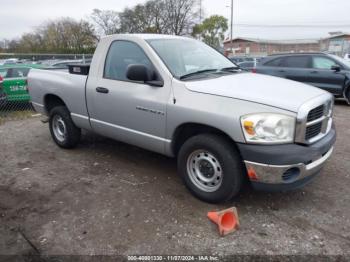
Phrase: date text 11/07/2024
[173,258]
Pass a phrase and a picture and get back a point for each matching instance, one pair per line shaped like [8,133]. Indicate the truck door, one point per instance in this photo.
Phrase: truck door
[126,110]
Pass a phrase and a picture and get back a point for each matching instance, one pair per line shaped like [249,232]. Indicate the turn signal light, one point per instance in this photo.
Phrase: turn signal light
[252,174]
[249,127]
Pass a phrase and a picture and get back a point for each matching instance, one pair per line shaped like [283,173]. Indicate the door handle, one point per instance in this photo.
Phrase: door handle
[314,72]
[281,71]
[102,90]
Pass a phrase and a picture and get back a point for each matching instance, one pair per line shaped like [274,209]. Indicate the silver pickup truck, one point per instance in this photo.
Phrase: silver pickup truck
[179,97]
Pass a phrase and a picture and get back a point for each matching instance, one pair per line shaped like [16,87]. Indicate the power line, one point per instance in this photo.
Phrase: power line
[292,26]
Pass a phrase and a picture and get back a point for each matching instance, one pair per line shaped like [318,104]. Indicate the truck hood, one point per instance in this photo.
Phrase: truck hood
[263,89]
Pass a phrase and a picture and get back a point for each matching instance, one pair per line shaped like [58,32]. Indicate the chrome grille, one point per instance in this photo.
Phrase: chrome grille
[312,131]
[314,119]
[316,113]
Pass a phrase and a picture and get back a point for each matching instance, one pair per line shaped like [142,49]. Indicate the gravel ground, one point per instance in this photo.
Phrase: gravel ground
[109,198]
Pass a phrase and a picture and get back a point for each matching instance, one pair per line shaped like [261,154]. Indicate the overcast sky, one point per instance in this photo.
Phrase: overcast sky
[323,16]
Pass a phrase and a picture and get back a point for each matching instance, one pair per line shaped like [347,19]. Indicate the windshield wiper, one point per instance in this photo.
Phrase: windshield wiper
[229,69]
[197,73]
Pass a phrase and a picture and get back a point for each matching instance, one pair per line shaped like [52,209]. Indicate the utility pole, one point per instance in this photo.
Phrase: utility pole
[231,35]
[200,11]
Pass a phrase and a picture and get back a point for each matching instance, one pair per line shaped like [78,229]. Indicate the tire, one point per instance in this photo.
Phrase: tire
[223,174]
[347,96]
[63,130]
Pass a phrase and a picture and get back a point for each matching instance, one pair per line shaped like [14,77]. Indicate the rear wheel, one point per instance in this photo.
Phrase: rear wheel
[63,130]
[211,168]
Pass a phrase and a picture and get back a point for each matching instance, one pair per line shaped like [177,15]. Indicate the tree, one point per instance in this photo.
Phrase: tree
[107,21]
[212,30]
[67,35]
[31,41]
[12,45]
[64,35]
[181,14]
[136,20]
[160,16]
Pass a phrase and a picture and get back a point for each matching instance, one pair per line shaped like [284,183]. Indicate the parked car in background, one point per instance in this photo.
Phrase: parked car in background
[14,84]
[63,64]
[2,93]
[249,65]
[325,71]
[347,57]
[10,61]
[241,59]
[224,125]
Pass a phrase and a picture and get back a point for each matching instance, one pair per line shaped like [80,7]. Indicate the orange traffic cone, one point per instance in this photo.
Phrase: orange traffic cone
[227,220]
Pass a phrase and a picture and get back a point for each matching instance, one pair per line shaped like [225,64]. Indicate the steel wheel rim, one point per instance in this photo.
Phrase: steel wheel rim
[204,170]
[59,128]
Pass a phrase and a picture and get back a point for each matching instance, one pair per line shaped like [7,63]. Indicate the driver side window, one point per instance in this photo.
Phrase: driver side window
[122,54]
[323,63]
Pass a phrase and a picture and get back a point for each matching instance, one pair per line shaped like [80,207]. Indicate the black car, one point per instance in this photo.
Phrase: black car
[328,72]
[241,59]
[248,65]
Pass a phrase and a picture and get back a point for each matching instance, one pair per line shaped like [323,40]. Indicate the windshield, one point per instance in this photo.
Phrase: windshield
[341,60]
[186,56]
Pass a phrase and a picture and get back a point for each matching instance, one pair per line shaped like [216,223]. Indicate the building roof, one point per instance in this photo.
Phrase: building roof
[337,35]
[281,42]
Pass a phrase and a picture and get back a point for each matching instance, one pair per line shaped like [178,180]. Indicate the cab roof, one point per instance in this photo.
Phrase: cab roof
[147,36]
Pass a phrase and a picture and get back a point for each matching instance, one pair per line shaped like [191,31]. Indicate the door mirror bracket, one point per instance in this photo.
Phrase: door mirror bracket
[155,83]
[336,68]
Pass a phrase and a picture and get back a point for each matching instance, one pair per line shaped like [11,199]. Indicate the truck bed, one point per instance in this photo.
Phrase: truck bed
[69,87]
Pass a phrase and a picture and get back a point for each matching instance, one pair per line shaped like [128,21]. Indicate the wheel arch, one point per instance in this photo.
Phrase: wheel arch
[187,130]
[51,101]
[346,91]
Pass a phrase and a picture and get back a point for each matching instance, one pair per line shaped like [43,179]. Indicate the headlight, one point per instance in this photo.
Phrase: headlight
[268,128]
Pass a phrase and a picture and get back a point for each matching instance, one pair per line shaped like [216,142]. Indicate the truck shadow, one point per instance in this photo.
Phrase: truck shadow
[163,167]
[341,102]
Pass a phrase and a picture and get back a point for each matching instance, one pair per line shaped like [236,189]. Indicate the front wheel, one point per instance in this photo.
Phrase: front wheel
[347,96]
[211,168]
[63,130]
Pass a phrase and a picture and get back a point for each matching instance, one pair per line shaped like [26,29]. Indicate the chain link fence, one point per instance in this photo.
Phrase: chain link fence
[14,69]
[14,98]
[15,111]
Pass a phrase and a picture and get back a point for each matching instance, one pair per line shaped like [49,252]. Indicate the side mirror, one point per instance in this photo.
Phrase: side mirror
[336,68]
[142,73]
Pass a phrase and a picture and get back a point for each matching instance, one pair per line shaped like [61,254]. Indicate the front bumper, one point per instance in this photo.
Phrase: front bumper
[286,167]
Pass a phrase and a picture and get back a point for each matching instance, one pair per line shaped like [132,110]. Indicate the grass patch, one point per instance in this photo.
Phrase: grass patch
[15,115]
